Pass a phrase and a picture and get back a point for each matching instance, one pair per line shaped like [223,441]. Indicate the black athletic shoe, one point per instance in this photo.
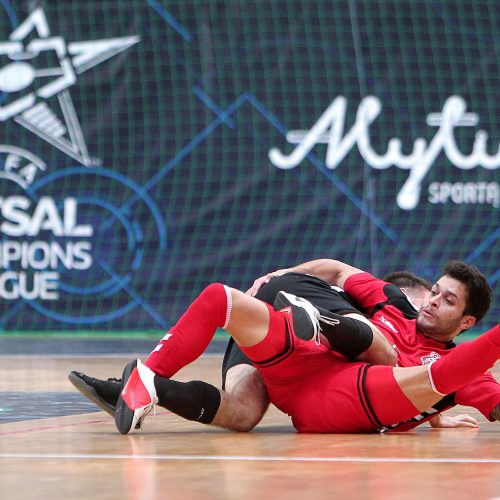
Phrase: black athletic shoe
[305,315]
[137,398]
[104,393]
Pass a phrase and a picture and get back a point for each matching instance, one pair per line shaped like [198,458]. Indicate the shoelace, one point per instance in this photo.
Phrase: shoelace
[315,316]
[324,319]
[316,326]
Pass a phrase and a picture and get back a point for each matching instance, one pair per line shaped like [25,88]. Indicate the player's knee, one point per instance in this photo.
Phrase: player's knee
[246,397]
[249,420]
[216,302]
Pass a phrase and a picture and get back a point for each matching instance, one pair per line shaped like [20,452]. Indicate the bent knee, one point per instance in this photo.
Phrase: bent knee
[249,421]
[246,397]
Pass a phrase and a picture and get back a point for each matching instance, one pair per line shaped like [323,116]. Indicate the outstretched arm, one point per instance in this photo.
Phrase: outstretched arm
[332,271]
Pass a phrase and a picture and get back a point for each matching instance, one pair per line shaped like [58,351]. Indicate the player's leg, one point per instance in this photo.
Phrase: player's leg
[391,395]
[314,289]
[244,401]
[217,306]
[379,350]
[425,385]
[349,334]
[239,407]
[244,317]
[208,312]
[355,337]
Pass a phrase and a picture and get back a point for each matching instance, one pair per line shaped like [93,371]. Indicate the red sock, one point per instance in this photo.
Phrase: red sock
[190,336]
[466,362]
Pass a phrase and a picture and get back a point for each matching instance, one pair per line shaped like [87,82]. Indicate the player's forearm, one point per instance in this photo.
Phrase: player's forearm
[332,271]
[329,270]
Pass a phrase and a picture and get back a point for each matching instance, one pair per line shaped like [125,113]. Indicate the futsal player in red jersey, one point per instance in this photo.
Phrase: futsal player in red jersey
[425,339]
[245,396]
[321,390]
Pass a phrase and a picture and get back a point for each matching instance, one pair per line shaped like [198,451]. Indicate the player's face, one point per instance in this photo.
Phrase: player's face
[441,316]
[417,295]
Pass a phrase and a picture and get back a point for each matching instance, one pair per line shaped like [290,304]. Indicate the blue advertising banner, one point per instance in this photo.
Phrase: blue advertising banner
[150,147]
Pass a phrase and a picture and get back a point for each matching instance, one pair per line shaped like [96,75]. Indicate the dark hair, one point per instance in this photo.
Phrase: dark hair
[478,290]
[405,279]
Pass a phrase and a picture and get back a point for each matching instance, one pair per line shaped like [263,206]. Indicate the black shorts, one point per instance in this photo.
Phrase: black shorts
[317,291]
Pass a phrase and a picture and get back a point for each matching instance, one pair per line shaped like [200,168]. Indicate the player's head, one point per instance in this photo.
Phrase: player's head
[457,301]
[413,286]
[405,279]
[478,299]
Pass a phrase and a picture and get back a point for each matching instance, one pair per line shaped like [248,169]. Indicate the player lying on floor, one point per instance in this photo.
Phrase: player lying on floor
[191,400]
[245,394]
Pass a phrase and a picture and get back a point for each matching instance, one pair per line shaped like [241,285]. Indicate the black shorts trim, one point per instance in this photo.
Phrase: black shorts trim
[288,350]
[363,397]
[442,405]
[235,356]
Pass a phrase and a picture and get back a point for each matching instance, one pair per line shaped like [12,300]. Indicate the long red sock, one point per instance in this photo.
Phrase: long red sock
[466,362]
[190,336]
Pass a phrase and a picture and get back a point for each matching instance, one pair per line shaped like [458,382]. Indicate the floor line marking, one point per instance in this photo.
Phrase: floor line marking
[93,456]
[98,355]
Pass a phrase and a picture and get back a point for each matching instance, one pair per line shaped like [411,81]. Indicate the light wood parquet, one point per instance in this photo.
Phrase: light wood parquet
[82,456]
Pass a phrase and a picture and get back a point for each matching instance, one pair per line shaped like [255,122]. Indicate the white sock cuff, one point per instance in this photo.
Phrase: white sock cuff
[229,308]
[431,380]
[148,379]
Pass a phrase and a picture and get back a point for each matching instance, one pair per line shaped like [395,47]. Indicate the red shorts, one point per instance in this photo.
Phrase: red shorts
[321,390]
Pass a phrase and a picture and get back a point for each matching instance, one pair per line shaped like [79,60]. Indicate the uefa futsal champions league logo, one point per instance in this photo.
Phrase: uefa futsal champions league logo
[48,245]
[35,79]
[329,129]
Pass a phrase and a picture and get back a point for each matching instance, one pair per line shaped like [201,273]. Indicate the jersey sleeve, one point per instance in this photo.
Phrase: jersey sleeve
[483,394]
[366,290]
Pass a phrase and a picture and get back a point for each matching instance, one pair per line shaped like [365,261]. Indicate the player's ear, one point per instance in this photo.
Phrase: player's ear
[467,322]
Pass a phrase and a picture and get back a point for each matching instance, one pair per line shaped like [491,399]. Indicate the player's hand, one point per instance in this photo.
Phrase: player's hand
[448,421]
[495,414]
[259,282]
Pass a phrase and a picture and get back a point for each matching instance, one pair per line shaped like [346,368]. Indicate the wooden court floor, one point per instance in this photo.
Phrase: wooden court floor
[72,451]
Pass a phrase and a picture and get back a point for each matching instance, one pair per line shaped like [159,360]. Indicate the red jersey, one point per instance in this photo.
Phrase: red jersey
[413,347]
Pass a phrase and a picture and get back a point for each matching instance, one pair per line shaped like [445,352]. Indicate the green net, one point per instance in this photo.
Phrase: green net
[148,148]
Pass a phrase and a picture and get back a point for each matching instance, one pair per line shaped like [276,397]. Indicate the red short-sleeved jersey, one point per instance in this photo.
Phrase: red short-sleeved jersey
[413,347]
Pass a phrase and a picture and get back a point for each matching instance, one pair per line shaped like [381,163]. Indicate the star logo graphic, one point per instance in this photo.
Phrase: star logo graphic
[36,72]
